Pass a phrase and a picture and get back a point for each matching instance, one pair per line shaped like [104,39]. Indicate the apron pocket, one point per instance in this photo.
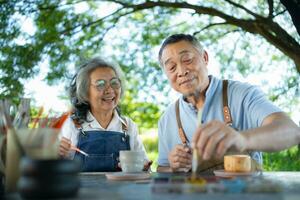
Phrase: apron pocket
[99,163]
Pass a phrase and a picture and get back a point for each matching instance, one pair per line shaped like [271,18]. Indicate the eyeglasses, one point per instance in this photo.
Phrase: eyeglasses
[101,84]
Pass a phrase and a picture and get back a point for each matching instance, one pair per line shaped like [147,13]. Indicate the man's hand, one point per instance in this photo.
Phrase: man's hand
[215,138]
[64,147]
[147,165]
[180,158]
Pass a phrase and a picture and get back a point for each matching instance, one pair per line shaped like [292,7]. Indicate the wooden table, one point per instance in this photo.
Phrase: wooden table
[96,186]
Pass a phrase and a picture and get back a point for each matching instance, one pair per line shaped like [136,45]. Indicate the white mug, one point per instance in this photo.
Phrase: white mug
[132,161]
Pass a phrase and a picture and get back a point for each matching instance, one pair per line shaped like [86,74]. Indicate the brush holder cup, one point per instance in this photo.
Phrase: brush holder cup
[44,179]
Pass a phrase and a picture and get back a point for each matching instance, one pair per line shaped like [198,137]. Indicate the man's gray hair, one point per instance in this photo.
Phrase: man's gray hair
[83,77]
[177,38]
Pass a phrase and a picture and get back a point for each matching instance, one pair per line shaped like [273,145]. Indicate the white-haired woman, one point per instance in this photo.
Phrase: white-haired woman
[96,125]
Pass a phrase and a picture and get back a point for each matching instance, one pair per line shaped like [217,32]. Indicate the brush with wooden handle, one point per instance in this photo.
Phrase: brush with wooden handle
[79,151]
[195,157]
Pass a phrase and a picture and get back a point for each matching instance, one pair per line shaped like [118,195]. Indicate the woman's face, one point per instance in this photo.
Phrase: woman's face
[104,90]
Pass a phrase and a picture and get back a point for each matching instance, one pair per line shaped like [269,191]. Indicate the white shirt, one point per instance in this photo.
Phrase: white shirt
[71,132]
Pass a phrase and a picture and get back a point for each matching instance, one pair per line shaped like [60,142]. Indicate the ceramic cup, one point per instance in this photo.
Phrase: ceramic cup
[132,161]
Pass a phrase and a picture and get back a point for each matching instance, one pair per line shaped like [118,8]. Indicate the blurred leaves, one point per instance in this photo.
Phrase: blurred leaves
[63,35]
[144,114]
[58,35]
[287,160]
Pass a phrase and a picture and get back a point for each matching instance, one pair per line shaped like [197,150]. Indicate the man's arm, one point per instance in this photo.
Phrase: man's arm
[277,132]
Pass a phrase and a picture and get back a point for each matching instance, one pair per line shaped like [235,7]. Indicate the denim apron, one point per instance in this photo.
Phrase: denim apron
[103,148]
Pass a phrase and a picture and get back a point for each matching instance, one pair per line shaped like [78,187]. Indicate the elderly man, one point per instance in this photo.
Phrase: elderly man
[235,116]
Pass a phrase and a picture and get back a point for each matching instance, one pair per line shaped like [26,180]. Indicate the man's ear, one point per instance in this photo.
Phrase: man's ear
[205,57]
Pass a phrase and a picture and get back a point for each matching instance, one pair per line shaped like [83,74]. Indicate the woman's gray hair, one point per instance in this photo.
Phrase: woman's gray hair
[83,76]
[79,88]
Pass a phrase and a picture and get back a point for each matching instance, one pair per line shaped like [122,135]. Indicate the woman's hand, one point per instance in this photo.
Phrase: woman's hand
[64,147]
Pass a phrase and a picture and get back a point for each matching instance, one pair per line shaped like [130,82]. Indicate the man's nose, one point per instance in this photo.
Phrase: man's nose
[183,71]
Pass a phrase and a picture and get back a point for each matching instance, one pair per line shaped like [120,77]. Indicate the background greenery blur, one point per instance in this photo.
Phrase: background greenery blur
[254,41]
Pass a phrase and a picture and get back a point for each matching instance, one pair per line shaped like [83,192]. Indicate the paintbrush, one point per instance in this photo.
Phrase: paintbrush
[79,151]
[10,129]
[22,117]
[58,123]
[195,156]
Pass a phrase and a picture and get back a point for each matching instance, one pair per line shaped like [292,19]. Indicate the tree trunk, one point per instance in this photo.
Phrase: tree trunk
[293,7]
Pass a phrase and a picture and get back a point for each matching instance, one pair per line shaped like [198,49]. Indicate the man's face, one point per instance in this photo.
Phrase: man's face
[185,67]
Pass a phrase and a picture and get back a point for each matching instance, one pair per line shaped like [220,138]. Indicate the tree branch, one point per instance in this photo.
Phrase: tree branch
[179,5]
[265,27]
[121,3]
[227,32]
[232,52]
[208,26]
[271,8]
[243,8]
[42,7]
[293,7]
[83,26]
[280,13]
[107,29]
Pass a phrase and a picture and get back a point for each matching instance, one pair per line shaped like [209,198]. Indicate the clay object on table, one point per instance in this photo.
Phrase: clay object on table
[42,179]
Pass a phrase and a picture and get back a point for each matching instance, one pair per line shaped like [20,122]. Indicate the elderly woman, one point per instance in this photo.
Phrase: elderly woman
[96,125]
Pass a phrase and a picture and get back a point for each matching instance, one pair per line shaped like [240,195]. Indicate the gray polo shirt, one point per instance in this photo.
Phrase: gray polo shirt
[248,106]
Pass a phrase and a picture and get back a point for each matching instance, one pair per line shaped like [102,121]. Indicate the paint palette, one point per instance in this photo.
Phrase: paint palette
[213,184]
[122,176]
[225,174]
[180,184]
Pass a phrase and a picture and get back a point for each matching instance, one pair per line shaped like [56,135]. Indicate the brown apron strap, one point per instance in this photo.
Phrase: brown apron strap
[205,165]
[226,113]
[76,123]
[124,125]
[226,110]
[214,163]
[182,135]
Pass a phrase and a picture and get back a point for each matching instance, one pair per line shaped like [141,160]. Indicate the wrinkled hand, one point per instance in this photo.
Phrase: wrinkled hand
[215,138]
[64,147]
[147,165]
[180,158]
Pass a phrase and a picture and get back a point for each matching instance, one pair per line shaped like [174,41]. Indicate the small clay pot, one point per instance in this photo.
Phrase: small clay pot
[31,167]
[43,179]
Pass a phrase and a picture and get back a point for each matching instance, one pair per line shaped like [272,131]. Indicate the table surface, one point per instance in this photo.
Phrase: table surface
[96,186]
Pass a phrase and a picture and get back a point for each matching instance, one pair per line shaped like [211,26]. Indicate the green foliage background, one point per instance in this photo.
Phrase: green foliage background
[287,160]
[64,36]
